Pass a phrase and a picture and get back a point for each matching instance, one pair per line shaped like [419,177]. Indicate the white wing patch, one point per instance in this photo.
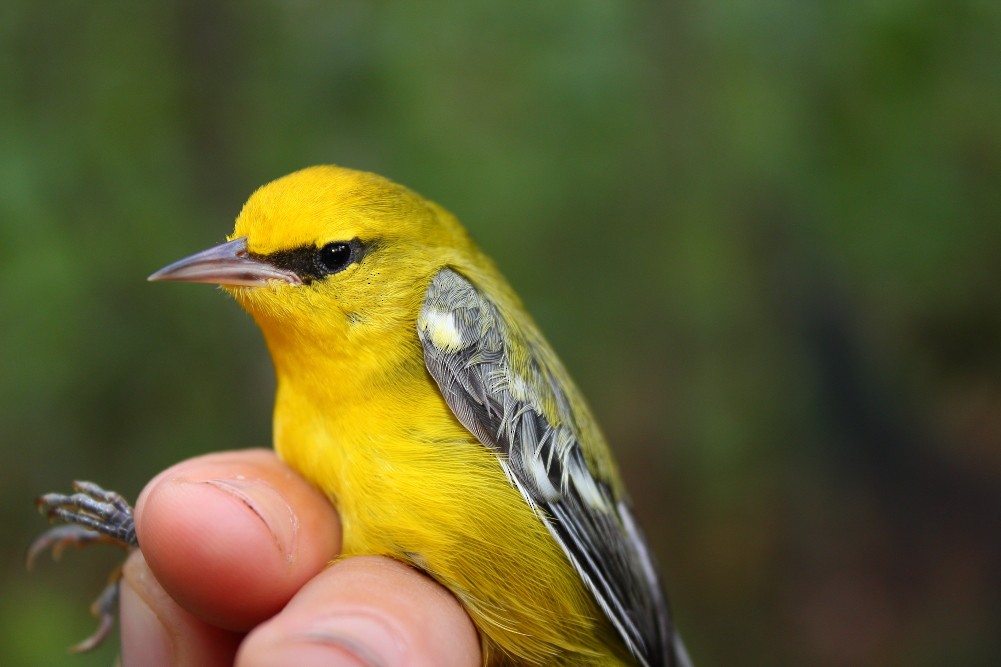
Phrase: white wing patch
[441,329]
[586,487]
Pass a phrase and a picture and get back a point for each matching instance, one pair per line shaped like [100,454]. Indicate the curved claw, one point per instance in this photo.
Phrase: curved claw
[59,539]
[104,609]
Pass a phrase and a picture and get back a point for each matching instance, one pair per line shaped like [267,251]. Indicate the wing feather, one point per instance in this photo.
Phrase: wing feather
[503,386]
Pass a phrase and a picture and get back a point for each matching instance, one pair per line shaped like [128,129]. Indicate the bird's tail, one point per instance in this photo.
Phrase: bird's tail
[679,654]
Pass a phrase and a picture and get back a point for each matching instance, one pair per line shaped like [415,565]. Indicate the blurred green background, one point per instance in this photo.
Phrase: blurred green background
[764,236]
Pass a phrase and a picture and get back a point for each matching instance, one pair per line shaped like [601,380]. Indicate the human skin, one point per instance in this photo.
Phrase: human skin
[235,568]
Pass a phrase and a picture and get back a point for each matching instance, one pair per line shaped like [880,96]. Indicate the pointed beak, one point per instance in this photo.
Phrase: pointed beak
[226,264]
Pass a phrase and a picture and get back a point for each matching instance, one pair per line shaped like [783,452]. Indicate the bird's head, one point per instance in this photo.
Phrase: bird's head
[330,256]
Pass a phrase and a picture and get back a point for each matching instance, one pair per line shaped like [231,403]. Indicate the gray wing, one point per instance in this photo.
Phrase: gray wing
[511,398]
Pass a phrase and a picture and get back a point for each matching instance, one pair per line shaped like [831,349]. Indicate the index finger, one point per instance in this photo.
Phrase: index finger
[367,610]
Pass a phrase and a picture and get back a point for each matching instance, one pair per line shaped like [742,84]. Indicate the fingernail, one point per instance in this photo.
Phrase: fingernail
[352,641]
[145,639]
[269,506]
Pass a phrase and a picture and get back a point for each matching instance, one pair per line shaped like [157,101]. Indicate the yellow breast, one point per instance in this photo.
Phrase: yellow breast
[411,483]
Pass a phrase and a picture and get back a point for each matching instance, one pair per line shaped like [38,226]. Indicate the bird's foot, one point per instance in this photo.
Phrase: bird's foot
[91,515]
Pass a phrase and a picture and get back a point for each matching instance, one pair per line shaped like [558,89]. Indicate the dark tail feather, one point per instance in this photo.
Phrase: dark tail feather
[679,654]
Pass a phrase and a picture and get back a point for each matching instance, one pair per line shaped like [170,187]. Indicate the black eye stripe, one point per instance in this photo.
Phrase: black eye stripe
[306,261]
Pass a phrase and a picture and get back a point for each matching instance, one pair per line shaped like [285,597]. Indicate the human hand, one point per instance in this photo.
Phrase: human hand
[233,570]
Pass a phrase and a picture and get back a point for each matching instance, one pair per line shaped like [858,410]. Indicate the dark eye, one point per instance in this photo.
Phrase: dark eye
[334,257]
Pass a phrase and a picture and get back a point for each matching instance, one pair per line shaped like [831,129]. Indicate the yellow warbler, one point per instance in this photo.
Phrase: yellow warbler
[418,394]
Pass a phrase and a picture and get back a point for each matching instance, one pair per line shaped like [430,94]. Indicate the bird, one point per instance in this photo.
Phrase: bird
[417,393]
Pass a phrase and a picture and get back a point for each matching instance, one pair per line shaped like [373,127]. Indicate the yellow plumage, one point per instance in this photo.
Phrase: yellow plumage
[359,415]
